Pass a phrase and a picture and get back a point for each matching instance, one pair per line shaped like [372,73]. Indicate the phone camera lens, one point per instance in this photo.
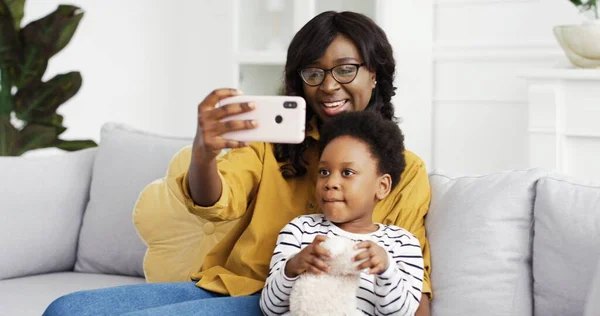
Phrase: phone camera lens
[290,105]
[278,119]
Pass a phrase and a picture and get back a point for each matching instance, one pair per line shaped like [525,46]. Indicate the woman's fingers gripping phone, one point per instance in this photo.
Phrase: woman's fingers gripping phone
[210,125]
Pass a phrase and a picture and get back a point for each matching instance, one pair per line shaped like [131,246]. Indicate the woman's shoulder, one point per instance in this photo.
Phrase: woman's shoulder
[413,160]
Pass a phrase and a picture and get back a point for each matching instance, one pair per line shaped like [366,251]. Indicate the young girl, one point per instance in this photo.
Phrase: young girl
[361,160]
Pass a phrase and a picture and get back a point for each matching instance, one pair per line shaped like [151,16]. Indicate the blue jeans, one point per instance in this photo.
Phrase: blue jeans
[181,298]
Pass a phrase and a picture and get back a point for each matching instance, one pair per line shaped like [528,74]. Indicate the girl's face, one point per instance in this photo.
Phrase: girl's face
[331,97]
[349,184]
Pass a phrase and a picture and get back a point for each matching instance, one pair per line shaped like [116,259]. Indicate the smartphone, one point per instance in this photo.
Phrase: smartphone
[281,119]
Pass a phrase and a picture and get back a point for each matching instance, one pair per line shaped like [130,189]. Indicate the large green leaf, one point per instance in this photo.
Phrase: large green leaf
[9,41]
[17,8]
[36,136]
[43,100]
[54,120]
[73,145]
[53,32]
[33,68]
[42,39]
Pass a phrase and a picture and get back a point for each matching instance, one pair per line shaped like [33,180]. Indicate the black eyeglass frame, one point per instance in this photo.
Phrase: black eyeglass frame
[330,70]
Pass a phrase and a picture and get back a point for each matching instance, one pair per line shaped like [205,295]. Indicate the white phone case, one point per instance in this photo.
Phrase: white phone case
[281,119]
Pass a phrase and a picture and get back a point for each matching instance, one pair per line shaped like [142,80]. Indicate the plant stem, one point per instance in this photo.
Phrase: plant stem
[8,133]
[5,93]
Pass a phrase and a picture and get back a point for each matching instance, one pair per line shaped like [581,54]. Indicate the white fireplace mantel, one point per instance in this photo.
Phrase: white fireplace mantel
[564,120]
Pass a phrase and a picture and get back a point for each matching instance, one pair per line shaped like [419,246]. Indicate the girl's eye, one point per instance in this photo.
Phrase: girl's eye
[323,172]
[347,172]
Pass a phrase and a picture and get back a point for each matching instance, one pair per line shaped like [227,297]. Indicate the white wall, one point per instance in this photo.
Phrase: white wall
[479,102]
[149,63]
[146,63]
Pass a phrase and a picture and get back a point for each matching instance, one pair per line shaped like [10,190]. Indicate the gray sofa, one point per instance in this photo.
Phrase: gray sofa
[511,243]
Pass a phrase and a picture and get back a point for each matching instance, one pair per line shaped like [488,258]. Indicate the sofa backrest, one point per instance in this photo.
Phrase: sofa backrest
[42,199]
[566,244]
[480,232]
[126,162]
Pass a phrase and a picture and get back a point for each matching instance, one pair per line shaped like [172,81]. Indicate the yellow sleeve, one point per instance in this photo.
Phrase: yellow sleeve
[416,195]
[240,170]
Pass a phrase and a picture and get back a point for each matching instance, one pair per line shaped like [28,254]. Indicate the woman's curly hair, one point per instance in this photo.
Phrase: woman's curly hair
[310,44]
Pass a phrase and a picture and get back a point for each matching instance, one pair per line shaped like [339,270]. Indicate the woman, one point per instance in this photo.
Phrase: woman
[338,62]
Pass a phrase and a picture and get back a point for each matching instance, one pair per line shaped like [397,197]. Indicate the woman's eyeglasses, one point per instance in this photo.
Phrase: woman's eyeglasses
[343,74]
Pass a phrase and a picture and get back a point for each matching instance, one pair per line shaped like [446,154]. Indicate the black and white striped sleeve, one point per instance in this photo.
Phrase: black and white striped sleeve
[398,288]
[274,298]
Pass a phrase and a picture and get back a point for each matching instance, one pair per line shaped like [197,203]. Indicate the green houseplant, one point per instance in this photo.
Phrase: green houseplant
[28,118]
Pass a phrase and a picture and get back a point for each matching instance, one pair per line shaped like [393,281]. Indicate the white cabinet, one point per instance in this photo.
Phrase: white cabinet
[564,121]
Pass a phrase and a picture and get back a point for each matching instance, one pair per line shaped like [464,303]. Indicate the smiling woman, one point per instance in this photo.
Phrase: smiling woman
[333,40]
[338,62]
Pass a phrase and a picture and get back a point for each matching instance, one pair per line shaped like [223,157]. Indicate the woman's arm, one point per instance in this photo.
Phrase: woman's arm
[203,181]
[225,189]
[424,308]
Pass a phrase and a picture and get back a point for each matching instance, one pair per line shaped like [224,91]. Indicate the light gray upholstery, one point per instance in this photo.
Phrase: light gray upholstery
[41,204]
[479,230]
[592,306]
[127,161]
[566,245]
[29,296]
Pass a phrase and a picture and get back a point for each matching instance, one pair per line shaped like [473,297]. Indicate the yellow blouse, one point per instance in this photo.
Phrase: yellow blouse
[255,192]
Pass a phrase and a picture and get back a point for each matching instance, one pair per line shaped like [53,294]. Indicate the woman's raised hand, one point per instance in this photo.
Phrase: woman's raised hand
[209,142]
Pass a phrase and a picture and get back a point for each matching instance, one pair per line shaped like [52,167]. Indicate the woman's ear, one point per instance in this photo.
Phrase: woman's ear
[373,80]
[384,188]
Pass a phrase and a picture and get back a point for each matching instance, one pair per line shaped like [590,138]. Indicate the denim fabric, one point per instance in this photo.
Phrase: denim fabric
[180,298]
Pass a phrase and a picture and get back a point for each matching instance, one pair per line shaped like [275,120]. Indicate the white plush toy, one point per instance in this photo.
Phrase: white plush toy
[332,293]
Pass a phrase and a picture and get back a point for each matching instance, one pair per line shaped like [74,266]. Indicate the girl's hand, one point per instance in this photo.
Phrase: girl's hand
[208,142]
[309,259]
[376,257]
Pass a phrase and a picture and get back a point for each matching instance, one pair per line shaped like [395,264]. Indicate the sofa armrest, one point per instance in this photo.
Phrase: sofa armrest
[42,201]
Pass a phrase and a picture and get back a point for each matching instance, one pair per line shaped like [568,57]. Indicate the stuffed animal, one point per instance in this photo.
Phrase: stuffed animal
[332,293]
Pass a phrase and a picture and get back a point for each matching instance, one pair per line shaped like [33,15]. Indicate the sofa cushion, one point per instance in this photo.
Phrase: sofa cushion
[126,162]
[566,245]
[592,305]
[29,296]
[41,204]
[177,240]
[480,232]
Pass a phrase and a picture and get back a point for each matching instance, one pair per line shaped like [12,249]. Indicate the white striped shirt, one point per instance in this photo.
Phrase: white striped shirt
[396,291]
